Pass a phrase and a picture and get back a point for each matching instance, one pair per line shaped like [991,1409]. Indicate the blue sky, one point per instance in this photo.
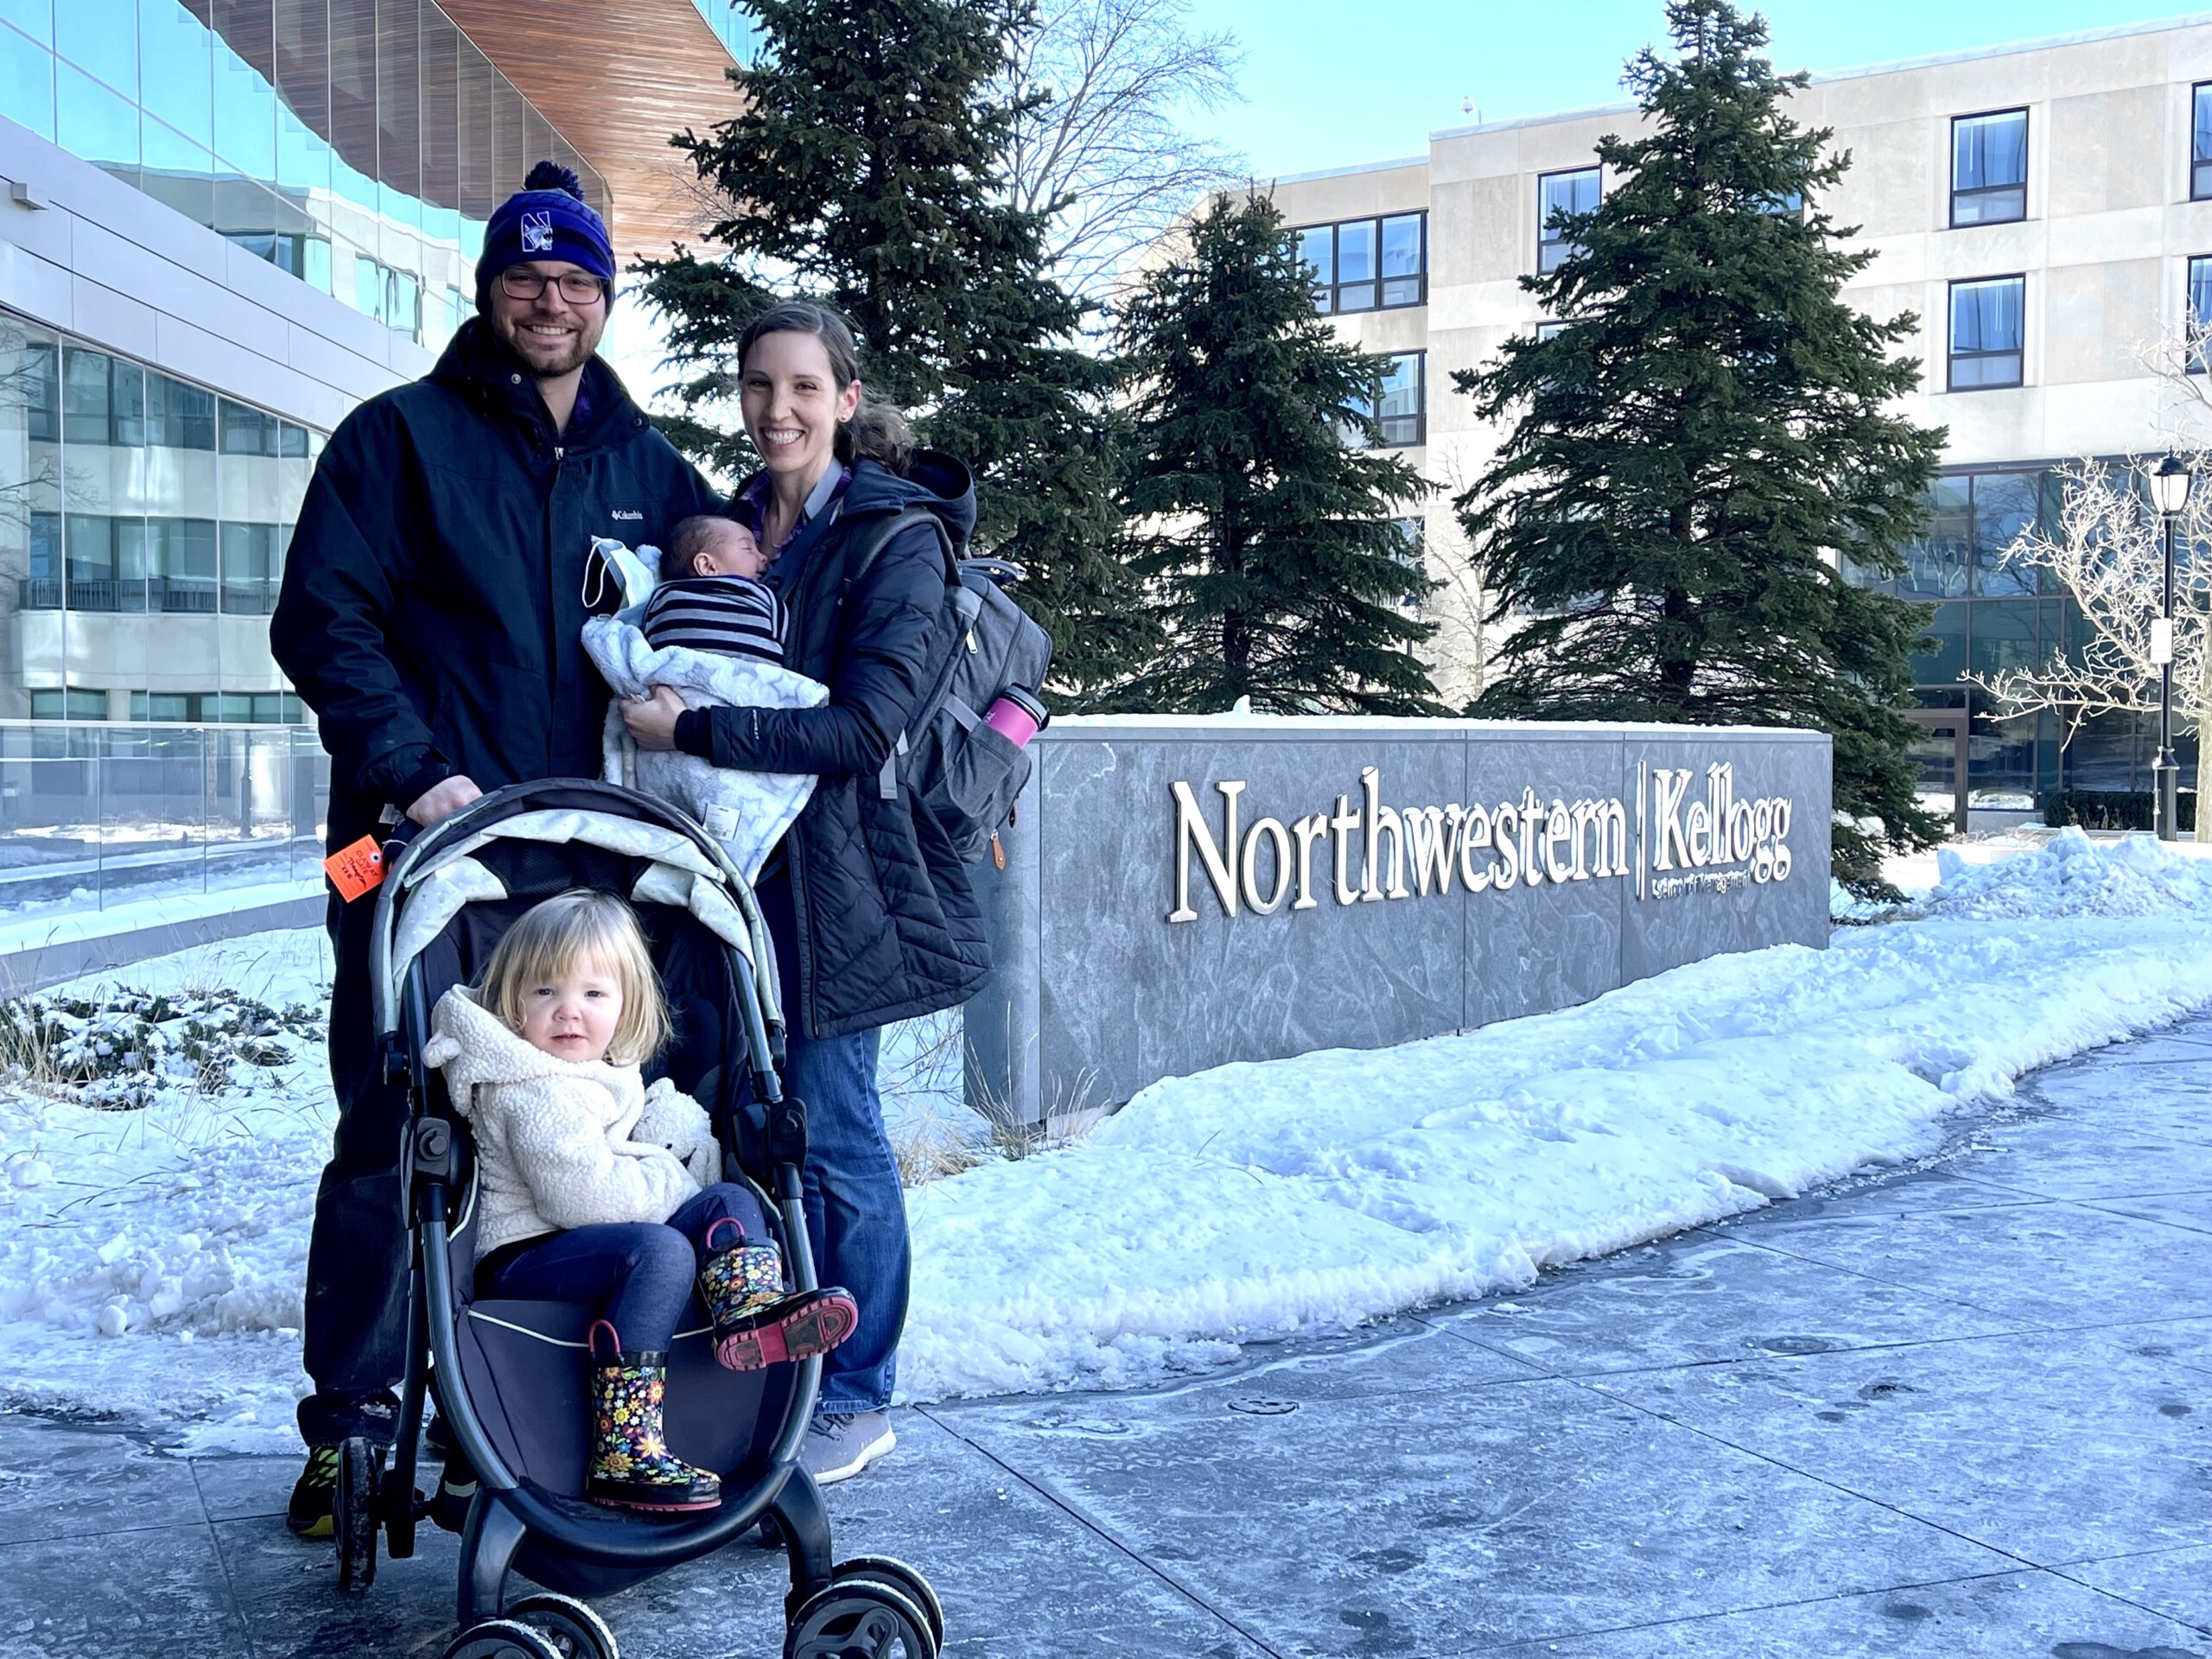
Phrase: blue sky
[1332,83]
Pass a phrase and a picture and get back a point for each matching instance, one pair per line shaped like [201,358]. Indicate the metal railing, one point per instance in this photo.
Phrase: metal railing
[172,595]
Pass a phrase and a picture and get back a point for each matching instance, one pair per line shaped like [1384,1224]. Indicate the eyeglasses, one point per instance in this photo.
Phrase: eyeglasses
[577,287]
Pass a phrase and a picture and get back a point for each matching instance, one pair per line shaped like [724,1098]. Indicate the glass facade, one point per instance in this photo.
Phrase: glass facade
[1562,193]
[1989,168]
[358,144]
[736,28]
[1989,617]
[144,525]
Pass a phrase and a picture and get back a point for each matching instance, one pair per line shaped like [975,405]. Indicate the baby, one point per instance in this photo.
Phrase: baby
[722,606]
[712,632]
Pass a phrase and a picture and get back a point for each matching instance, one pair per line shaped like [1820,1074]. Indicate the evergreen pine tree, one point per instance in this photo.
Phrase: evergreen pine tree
[1692,453]
[1267,539]
[866,171]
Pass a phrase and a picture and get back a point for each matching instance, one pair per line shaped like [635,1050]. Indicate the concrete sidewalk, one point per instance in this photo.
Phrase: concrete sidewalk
[1963,1411]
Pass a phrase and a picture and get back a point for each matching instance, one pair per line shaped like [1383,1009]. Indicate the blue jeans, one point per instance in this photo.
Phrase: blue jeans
[856,1208]
[637,1275]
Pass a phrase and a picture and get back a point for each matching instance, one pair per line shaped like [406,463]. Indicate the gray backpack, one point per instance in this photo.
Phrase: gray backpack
[967,773]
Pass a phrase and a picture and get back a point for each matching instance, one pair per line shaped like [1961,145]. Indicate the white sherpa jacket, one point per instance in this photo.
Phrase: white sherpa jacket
[564,1143]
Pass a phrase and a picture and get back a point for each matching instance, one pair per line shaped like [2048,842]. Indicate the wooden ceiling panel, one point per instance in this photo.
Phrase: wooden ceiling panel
[616,88]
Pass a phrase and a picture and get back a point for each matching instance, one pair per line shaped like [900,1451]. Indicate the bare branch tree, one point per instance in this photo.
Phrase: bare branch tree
[1102,150]
[1459,650]
[2109,556]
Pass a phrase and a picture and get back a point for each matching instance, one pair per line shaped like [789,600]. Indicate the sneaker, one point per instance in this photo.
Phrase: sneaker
[839,1447]
[314,1495]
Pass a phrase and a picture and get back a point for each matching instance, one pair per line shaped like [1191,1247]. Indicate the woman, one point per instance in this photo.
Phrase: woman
[869,906]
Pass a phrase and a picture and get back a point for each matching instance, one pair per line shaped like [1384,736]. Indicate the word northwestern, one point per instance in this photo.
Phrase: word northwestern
[1671,843]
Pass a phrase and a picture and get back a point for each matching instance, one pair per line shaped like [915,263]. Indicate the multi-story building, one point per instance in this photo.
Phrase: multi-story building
[2044,209]
[225,223]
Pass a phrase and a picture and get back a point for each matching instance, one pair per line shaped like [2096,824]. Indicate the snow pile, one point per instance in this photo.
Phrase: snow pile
[2072,875]
[182,1226]
[1256,1201]
[122,1049]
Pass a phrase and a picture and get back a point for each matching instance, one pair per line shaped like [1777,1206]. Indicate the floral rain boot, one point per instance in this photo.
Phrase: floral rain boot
[631,1467]
[755,1323]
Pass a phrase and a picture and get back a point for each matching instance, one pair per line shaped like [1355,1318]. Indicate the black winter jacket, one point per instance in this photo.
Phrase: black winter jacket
[432,609]
[889,926]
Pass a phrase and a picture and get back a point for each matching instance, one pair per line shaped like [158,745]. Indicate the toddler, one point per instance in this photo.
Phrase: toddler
[593,1188]
[723,606]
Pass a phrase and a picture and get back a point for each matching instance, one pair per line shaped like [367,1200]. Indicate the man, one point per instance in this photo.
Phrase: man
[431,616]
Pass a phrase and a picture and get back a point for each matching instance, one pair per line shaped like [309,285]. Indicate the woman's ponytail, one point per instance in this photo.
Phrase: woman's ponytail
[878,431]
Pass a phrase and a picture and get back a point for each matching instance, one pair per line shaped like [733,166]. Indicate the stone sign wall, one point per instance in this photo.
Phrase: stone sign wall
[1181,892]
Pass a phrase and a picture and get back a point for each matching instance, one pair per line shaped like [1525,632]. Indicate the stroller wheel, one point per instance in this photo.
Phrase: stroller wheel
[884,1569]
[575,1631]
[354,1512]
[859,1620]
[501,1638]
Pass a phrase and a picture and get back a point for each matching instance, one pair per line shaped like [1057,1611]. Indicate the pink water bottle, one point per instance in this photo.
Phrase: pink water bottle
[1017,716]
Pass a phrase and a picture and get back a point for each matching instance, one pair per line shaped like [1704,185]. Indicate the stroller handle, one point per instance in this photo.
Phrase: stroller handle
[416,844]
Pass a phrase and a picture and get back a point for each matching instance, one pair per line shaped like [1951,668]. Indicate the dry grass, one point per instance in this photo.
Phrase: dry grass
[931,1143]
[928,1148]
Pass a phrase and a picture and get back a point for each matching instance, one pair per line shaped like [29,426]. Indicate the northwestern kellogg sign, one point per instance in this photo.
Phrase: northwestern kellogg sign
[1671,842]
[1182,892]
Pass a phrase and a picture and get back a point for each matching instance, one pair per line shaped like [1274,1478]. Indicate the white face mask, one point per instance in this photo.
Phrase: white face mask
[634,572]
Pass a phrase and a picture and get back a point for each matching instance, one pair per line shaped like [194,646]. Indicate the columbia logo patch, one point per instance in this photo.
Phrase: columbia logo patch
[624,513]
[537,232]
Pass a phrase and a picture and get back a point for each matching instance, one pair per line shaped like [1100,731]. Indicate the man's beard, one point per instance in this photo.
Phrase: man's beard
[575,354]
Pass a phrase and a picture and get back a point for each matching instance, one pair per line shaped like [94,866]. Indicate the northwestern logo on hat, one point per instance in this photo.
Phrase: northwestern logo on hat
[537,233]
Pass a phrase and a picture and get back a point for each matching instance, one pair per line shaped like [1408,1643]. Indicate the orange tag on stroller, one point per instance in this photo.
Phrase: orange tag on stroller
[356,869]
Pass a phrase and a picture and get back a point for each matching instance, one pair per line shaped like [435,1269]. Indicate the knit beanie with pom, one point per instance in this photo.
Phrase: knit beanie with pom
[547,218]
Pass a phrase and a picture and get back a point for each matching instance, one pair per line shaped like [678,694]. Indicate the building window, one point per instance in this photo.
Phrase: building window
[72,704]
[2200,147]
[1402,410]
[218,708]
[1367,265]
[252,568]
[1986,328]
[1413,532]
[1562,193]
[2200,311]
[1549,331]
[1989,168]
[394,298]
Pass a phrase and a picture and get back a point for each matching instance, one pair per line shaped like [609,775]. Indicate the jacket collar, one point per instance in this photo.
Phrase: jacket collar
[471,1044]
[478,366]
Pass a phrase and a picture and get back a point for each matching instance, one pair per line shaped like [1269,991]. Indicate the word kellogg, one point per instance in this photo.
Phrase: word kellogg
[1673,844]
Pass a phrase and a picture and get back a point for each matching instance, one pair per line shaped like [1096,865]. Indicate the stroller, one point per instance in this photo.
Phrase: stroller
[509,1376]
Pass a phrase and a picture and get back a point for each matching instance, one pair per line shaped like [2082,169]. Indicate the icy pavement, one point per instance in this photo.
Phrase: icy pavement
[1961,1409]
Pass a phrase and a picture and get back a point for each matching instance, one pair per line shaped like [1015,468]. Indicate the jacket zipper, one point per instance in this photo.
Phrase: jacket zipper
[552,618]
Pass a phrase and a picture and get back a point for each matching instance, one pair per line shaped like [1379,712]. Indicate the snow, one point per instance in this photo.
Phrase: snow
[1249,1202]
[26,929]
[151,1260]
[1257,1201]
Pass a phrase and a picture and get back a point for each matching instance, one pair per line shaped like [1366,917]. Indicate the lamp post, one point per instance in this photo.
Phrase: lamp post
[2169,485]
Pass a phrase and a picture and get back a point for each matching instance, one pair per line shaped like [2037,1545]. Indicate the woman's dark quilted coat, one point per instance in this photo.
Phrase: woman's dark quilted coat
[888,927]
